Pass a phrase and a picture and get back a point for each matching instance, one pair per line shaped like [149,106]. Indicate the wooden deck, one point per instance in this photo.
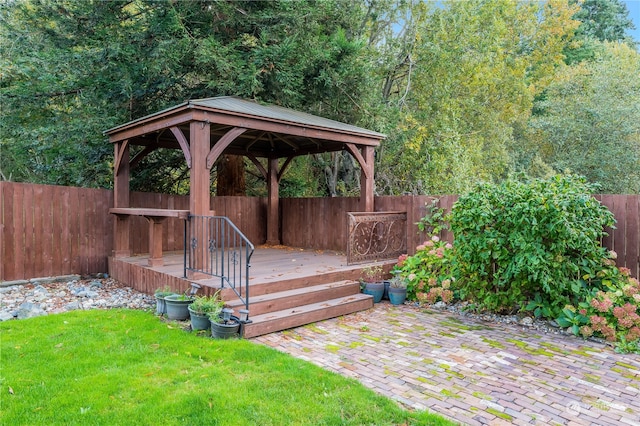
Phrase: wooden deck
[288,287]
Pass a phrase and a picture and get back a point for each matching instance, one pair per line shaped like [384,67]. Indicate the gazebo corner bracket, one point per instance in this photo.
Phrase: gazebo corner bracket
[353,150]
[184,145]
[284,167]
[222,144]
[121,147]
[258,165]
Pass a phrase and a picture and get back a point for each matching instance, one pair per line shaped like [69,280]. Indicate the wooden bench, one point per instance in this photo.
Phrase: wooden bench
[155,217]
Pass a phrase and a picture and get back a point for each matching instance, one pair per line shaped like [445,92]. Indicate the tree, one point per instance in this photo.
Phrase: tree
[588,121]
[600,20]
[74,69]
[604,20]
[478,66]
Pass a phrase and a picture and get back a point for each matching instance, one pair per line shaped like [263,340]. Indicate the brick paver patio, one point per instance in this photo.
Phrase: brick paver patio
[473,372]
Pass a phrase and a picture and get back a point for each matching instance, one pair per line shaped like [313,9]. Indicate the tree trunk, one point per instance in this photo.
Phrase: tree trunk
[231,181]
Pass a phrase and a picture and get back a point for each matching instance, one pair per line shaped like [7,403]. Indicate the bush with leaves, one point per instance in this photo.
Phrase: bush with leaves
[522,241]
[613,314]
[429,273]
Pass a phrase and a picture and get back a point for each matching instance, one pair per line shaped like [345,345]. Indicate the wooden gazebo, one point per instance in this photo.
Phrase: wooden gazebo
[271,137]
[205,129]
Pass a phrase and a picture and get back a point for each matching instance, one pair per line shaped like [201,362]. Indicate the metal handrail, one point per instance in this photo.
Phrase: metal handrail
[226,253]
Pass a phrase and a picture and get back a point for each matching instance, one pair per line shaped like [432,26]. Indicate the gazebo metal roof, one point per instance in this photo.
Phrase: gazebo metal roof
[270,131]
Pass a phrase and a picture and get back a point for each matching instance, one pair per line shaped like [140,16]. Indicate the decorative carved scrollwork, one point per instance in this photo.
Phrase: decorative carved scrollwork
[376,236]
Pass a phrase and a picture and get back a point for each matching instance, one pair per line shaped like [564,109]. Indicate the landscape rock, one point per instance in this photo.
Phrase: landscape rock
[526,321]
[87,293]
[5,316]
[9,289]
[30,310]
[72,306]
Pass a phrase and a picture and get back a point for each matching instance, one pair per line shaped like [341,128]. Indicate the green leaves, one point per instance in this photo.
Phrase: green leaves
[589,120]
[527,244]
[539,307]
[570,318]
[74,69]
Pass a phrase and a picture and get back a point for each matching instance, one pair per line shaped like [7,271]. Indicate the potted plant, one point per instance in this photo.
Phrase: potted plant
[371,282]
[160,294]
[200,309]
[223,324]
[177,306]
[397,290]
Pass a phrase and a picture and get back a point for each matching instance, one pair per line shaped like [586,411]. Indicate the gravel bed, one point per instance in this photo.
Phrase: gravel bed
[35,299]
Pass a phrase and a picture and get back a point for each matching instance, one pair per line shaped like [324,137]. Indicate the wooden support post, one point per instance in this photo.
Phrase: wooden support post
[122,224]
[366,180]
[155,240]
[199,178]
[199,194]
[273,206]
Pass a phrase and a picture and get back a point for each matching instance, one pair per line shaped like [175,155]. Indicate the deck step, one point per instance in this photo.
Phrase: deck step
[288,299]
[306,314]
[284,284]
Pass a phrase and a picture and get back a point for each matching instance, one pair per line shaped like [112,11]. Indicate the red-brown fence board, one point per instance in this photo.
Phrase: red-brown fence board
[11,222]
[317,223]
[2,225]
[74,215]
[632,217]
[57,233]
[29,238]
[51,230]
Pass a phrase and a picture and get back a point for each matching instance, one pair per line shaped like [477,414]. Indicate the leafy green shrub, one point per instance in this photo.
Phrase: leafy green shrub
[429,273]
[533,241]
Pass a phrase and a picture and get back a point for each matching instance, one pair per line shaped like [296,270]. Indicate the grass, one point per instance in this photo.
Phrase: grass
[124,367]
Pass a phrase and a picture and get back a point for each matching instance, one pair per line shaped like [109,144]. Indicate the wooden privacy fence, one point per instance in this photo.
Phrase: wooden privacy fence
[48,230]
[53,230]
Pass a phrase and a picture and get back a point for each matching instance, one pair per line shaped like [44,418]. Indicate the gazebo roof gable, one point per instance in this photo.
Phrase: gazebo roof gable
[238,107]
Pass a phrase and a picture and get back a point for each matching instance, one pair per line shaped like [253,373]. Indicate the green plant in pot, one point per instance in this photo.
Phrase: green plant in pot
[160,295]
[223,324]
[177,306]
[201,308]
[397,290]
[371,282]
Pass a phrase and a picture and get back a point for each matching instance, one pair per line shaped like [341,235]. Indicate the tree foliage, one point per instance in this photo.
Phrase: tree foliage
[588,121]
[466,91]
[75,69]
[600,21]
[604,20]
[477,67]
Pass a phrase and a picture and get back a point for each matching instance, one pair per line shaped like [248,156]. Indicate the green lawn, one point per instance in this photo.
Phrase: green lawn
[126,367]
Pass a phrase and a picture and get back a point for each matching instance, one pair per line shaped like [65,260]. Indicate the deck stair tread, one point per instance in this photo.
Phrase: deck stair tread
[306,314]
[291,298]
